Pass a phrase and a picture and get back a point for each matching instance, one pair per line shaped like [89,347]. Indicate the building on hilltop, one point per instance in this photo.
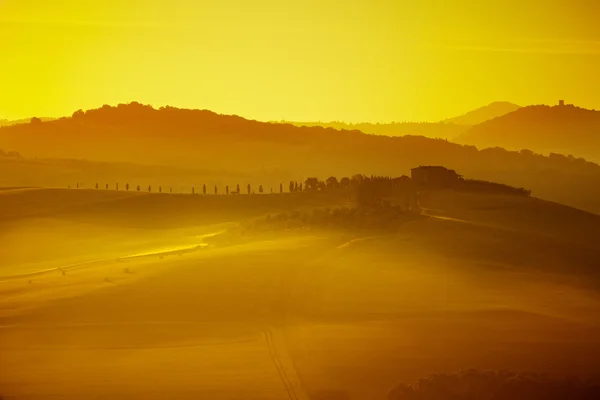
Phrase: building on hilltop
[434,175]
[561,103]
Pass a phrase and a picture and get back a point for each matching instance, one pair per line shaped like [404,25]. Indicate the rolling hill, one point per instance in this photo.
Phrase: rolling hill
[274,153]
[558,129]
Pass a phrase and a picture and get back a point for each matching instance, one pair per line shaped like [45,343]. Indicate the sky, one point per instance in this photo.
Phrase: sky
[312,60]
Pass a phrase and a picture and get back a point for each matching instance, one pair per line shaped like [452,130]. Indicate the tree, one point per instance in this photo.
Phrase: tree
[345,182]
[78,114]
[321,185]
[260,189]
[138,188]
[292,186]
[527,152]
[216,190]
[149,189]
[226,189]
[127,187]
[311,183]
[160,189]
[249,189]
[193,190]
[204,189]
[357,180]
[107,186]
[295,186]
[171,190]
[36,120]
[300,187]
[237,188]
[96,185]
[331,182]
[77,185]
[117,186]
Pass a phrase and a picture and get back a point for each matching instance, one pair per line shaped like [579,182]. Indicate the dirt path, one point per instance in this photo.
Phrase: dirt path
[164,251]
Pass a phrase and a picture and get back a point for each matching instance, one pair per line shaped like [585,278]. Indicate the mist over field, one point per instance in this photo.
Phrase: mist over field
[317,294]
[283,200]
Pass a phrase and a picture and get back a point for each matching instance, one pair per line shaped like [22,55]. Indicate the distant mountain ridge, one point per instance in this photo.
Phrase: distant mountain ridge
[276,153]
[483,114]
[427,129]
[446,129]
[8,122]
[564,129]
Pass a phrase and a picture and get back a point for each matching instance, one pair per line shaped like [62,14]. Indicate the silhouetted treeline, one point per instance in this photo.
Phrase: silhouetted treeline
[497,385]
[367,191]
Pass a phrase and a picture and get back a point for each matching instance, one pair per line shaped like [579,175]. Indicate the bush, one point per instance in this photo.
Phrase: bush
[492,187]
[345,218]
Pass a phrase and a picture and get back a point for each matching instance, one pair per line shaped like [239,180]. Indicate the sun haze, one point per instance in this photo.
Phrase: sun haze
[301,200]
[305,60]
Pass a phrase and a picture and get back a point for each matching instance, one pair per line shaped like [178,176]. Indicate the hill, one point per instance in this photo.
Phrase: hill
[558,129]
[485,113]
[275,153]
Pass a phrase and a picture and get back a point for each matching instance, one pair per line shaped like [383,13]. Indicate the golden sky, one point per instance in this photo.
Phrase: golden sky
[351,60]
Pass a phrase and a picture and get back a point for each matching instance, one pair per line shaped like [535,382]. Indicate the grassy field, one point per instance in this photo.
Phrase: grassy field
[292,314]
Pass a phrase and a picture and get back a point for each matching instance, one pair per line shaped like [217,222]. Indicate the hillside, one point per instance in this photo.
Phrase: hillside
[140,306]
[483,114]
[558,129]
[275,153]
[52,172]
